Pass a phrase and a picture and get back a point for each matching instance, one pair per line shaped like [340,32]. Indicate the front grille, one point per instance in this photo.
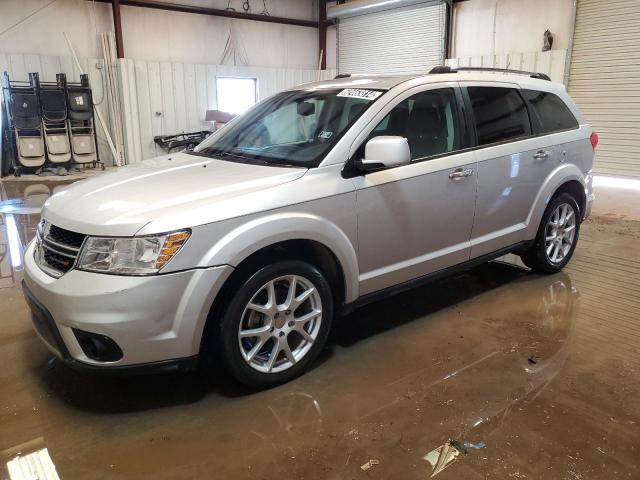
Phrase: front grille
[56,248]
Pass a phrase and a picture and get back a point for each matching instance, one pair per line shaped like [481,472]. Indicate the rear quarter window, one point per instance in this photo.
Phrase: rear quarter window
[552,113]
[500,114]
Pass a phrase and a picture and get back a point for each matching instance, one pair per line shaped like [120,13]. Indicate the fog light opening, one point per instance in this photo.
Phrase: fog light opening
[98,347]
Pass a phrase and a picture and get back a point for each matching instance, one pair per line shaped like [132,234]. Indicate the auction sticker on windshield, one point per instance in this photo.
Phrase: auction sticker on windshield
[360,93]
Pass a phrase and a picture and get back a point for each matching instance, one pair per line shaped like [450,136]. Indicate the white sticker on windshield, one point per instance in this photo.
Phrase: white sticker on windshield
[325,135]
[360,93]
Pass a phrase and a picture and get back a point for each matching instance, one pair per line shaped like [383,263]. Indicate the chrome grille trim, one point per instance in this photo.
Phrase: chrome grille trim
[52,256]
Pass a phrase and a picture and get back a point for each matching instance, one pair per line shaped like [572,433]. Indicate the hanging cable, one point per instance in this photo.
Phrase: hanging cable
[264,9]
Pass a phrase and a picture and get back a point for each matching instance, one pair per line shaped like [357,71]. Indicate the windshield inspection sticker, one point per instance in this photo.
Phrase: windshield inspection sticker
[359,93]
[325,135]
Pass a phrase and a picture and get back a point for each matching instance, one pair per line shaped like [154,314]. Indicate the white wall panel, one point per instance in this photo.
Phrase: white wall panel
[552,62]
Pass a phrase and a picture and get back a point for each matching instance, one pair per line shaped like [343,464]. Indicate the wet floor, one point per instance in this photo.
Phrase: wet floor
[495,373]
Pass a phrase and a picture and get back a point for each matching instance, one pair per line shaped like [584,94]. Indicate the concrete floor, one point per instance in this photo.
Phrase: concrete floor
[539,376]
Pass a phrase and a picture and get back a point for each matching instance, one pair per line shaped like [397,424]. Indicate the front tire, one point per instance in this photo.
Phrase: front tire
[276,324]
[557,236]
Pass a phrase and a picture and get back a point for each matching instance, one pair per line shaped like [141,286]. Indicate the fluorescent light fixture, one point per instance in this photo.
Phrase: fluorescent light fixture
[15,247]
[616,182]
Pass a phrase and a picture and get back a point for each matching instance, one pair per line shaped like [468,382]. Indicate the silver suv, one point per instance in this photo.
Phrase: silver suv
[317,200]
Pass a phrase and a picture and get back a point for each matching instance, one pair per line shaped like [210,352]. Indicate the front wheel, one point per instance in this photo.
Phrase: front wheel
[276,324]
[557,236]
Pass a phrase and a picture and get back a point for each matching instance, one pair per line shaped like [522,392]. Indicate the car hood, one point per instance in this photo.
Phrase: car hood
[120,203]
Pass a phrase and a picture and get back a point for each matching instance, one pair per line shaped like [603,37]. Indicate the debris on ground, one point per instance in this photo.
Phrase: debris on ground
[366,466]
[441,457]
[458,446]
[477,446]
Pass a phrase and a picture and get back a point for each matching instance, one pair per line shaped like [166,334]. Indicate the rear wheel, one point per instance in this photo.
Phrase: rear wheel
[276,324]
[557,236]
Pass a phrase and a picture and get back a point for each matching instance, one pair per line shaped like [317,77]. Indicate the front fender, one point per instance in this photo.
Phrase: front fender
[562,174]
[256,234]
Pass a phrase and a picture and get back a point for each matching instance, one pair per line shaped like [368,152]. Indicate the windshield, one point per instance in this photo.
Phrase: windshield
[291,128]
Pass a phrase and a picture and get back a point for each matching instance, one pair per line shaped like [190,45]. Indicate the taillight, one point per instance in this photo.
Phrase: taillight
[594,140]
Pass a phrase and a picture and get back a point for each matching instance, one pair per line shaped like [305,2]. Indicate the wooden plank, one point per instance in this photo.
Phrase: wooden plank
[97,83]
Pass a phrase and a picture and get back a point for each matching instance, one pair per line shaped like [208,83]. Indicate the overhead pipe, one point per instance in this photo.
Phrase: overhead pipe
[216,12]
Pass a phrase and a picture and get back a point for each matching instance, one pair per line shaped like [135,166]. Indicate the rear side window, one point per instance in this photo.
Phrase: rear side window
[500,114]
[551,112]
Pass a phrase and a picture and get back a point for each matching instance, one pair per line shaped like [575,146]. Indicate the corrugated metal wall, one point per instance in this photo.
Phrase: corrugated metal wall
[604,80]
[403,40]
[182,93]
[552,62]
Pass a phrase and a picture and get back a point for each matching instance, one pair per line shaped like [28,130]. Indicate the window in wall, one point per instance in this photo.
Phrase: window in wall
[552,113]
[500,114]
[429,121]
[236,95]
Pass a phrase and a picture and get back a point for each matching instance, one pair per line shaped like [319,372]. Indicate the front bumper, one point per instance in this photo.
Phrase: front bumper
[157,321]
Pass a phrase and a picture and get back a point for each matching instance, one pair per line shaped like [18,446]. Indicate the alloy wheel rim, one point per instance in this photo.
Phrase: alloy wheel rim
[560,233]
[280,324]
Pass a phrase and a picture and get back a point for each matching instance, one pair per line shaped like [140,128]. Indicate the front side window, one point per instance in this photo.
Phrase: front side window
[500,114]
[429,120]
[295,128]
[551,112]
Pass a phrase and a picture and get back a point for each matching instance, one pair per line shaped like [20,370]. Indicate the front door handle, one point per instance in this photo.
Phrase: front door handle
[461,173]
[541,155]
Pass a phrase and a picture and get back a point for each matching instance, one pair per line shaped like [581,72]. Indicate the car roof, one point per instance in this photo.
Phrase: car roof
[386,82]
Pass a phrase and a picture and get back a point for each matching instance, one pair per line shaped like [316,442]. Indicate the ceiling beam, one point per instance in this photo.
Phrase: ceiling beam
[216,12]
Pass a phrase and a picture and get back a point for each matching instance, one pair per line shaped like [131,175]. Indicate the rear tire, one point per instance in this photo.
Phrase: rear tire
[557,236]
[276,324]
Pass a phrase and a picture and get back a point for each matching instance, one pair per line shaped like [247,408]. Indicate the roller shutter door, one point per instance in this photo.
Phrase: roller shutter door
[604,80]
[403,40]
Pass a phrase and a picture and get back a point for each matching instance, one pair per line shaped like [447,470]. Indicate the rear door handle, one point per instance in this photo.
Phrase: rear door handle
[461,173]
[541,155]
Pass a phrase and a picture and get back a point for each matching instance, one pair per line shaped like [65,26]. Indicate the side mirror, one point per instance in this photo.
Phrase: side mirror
[385,152]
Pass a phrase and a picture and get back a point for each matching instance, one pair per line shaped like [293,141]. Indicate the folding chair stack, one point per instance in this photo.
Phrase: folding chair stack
[53,103]
[23,114]
[84,145]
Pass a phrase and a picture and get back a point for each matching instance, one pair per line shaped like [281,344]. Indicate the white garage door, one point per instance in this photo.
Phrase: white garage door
[604,80]
[403,40]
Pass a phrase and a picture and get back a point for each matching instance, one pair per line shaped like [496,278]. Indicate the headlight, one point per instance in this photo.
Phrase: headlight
[131,256]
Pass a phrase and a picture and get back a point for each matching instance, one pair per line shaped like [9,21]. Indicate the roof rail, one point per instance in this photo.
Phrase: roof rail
[447,69]
[342,75]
